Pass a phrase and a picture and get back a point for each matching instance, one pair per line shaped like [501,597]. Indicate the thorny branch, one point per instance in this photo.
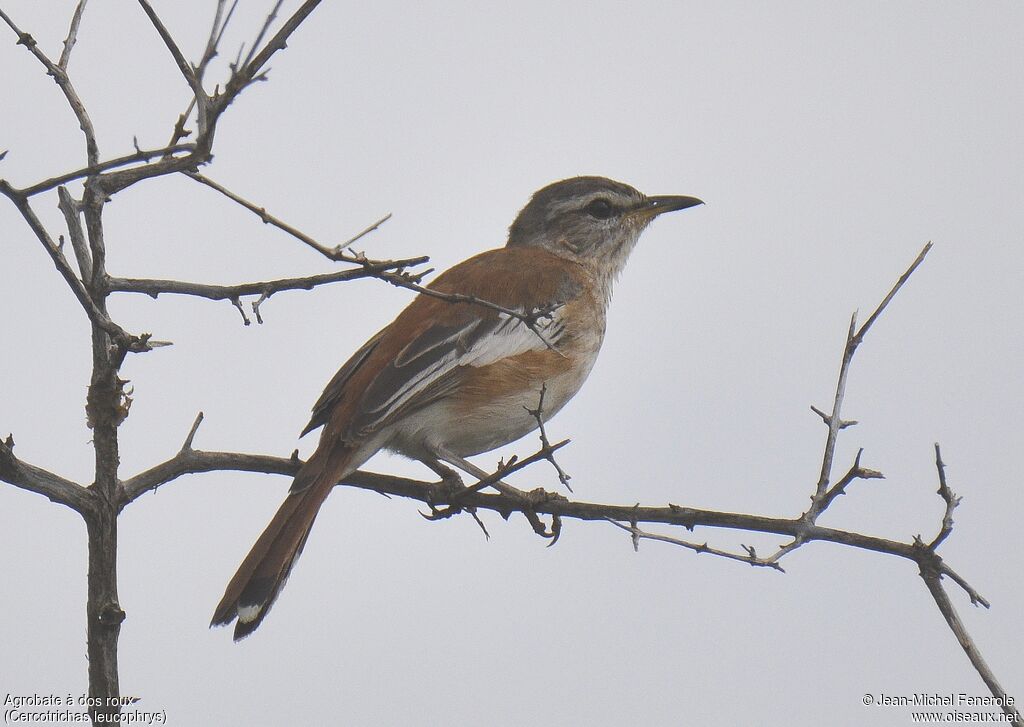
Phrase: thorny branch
[805,529]
[58,71]
[264,289]
[92,285]
[107,400]
[545,445]
[410,281]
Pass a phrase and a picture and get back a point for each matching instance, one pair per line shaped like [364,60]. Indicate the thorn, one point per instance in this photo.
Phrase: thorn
[256,307]
[480,522]
[192,432]
[238,304]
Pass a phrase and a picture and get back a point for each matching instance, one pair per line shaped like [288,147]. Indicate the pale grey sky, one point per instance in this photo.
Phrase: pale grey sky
[830,140]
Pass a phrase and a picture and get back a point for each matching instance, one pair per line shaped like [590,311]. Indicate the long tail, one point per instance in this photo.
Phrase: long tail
[262,575]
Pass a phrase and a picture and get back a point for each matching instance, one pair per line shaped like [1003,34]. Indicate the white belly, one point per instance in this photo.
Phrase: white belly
[442,426]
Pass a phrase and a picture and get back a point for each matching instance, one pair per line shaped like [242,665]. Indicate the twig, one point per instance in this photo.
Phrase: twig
[139,156]
[254,64]
[179,132]
[834,421]
[402,280]
[179,58]
[60,76]
[332,253]
[271,17]
[36,479]
[892,293]
[856,472]
[69,208]
[69,41]
[216,33]
[948,497]
[362,233]
[750,558]
[187,444]
[238,304]
[265,288]
[544,443]
[96,315]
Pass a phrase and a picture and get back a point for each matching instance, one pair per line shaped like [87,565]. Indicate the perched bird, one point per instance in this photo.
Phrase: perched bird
[445,381]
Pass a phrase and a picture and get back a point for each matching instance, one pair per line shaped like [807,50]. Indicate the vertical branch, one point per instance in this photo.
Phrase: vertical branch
[72,36]
[833,420]
[70,209]
[106,408]
[104,614]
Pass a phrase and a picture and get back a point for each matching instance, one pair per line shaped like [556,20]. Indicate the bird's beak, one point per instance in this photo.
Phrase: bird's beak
[654,206]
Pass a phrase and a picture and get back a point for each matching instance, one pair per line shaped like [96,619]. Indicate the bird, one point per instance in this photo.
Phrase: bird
[446,380]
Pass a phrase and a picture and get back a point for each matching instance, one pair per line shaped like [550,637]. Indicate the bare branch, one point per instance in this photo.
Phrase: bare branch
[265,289]
[143,155]
[834,421]
[69,41]
[189,461]
[892,293]
[254,64]
[976,598]
[750,558]
[179,131]
[271,17]
[192,461]
[843,423]
[537,413]
[856,472]
[216,33]
[69,208]
[60,76]
[192,432]
[35,479]
[179,58]
[241,311]
[332,253]
[948,497]
[362,233]
[96,315]
[398,279]
[932,579]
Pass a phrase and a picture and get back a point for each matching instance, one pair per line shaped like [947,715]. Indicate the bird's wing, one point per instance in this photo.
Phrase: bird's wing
[418,357]
[427,368]
[336,388]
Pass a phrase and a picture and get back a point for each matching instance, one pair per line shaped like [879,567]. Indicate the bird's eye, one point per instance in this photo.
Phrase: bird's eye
[600,209]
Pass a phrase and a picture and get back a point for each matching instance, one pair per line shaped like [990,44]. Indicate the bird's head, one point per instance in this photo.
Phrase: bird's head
[593,220]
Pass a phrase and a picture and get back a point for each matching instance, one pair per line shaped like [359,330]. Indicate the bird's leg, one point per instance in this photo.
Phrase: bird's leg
[449,477]
[529,499]
[453,485]
[471,469]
